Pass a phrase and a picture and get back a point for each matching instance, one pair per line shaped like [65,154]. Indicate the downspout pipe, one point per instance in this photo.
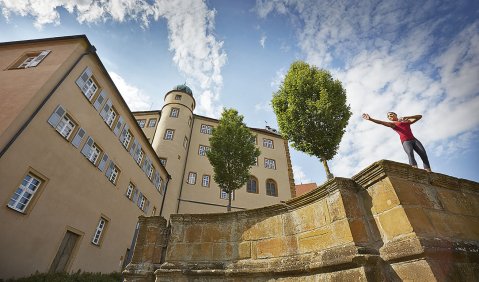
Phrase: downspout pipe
[164,194]
[91,50]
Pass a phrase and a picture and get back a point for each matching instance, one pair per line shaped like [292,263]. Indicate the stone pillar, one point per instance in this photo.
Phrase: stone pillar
[147,254]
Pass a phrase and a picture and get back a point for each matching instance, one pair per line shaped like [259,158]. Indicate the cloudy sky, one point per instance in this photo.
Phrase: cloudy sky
[411,57]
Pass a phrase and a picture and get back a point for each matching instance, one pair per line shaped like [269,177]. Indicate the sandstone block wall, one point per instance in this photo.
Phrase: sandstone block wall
[390,222]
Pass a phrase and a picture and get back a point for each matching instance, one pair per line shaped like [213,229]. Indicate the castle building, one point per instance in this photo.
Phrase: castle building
[77,167]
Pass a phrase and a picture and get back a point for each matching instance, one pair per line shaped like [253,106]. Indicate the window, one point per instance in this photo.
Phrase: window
[30,60]
[114,174]
[269,163]
[206,129]
[256,161]
[271,188]
[174,112]
[202,150]
[141,122]
[268,143]
[110,117]
[190,121]
[169,134]
[89,88]
[224,195]
[24,193]
[252,185]
[65,127]
[192,178]
[206,181]
[254,139]
[163,161]
[129,191]
[94,154]
[152,122]
[141,202]
[178,97]
[153,212]
[139,158]
[150,172]
[126,139]
[99,231]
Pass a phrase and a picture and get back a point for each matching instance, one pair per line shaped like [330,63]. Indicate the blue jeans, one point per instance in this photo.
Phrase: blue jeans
[414,145]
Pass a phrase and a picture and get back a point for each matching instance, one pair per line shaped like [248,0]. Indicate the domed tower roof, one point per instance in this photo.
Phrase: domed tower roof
[183,88]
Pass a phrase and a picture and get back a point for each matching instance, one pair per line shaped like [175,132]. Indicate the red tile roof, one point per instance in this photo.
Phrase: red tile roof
[305,188]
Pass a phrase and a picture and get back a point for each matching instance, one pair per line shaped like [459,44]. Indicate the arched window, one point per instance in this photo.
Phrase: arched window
[271,188]
[252,185]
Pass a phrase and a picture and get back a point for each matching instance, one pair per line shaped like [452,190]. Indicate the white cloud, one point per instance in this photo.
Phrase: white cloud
[264,106]
[198,55]
[134,97]
[278,78]
[262,41]
[388,57]
[299,176]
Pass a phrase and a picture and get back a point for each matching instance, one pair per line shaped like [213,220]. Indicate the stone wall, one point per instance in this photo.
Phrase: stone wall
[390,222]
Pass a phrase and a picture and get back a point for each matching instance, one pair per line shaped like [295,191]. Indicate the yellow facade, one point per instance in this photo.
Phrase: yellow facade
[77,167]
[186,162]
[63,206]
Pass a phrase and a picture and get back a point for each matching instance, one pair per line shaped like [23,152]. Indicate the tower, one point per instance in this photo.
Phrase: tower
[172,139]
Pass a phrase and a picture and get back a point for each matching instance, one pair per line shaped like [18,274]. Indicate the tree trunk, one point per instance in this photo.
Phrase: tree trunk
[329,175]
[228,208]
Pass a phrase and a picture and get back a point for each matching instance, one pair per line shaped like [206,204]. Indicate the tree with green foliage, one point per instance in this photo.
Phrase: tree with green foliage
[311,110]
[232,152]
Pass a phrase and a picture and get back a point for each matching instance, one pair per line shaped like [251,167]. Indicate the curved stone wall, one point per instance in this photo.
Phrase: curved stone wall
[389,222]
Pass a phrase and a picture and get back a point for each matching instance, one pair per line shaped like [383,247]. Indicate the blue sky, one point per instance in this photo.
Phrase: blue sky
[411,57]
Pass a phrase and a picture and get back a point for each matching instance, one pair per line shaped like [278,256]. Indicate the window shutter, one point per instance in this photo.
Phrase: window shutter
[147,206]
[99,100]
[110,168]
[38,59]
[103,161]
[56,116]
[146,164]
[78,137]
[135,195]
[84,77]
[105,109]
[133,147]
[138,149]
[118,126]
[123,133]
[87,147]
[140,196]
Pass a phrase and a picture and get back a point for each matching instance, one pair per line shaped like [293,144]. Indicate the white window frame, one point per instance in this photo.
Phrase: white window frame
[127,139]
[95,153]
[24,193]
[152,120]
[163,161]
[89,88]
[140,156]
[175,112]
[203,149]
[26,62]
[114,174]
[205,181]
[268,143]
[224,195]
[190,121]
[256,188]
[269,163]
[110,117]
[129,190]
[185,142]
[192,178]
[66,126]
[141,122]
[150,172]
[206,129]
[142,202]
[169,134]
[99,231]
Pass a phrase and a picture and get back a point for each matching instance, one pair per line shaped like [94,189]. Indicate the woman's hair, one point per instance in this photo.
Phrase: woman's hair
[391,113]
